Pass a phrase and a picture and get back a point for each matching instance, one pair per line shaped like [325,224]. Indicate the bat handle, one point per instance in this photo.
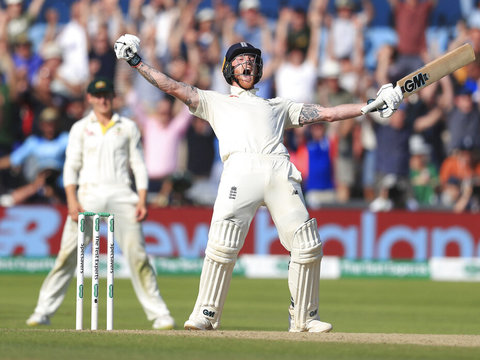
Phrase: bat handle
[372,106]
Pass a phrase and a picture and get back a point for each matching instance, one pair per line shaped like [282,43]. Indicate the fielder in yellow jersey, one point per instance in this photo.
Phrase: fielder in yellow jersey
[101,150]
[257,171]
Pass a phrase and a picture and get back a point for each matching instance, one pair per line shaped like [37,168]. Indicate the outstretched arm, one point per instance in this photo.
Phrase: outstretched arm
[387,102]
[312,113]
[126,48]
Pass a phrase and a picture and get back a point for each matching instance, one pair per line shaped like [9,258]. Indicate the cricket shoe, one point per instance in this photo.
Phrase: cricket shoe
[312,325]
[198,324]
[317,326]
[164,323]
[38,319]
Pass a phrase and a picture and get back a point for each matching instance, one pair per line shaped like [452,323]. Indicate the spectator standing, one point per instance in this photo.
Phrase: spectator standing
[45,32]
[346,28]
[423,173]
[298,30]
[368,144]
[332,94]
[432,104]
[19,18]
[392,162]
[201,154]
[411,22]
[25,58]
[252,27]
[296,71]
[105,13]
[320,186]
[75,109]
[101,57]
[41,158]
[462,119]
[208,46]
[10,130]
[162,132]
[43,94]
[51,54]
[10,124]
[155,19]
[459,176]
[208,41]
[73,74]
[200,148]
[298,151]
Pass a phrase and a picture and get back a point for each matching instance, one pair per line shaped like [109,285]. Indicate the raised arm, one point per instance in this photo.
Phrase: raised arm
[34,8]
[126,48]
[184,92]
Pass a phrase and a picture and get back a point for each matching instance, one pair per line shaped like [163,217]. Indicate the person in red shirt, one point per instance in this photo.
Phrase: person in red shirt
[411,22]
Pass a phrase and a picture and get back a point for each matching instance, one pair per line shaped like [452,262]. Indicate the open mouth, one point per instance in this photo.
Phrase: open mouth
[247,72]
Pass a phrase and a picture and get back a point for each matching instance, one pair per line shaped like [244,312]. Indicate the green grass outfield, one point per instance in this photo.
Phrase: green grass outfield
[373,319]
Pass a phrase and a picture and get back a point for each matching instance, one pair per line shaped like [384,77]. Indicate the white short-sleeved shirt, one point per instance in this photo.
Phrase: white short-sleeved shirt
[93,157]
[246,123]
[296,82]
[74,44]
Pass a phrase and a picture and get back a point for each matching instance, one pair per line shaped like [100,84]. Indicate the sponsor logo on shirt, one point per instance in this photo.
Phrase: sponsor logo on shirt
[233,193]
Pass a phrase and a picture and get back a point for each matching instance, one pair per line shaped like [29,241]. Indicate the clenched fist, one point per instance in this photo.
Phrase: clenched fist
[387,102]
[126,48]
[392,97]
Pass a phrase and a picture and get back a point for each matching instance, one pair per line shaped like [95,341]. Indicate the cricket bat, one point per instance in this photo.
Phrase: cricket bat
[431,72]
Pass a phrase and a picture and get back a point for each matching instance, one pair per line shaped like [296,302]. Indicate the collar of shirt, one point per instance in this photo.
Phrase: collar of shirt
[235,90]
[115,118]
[93,118]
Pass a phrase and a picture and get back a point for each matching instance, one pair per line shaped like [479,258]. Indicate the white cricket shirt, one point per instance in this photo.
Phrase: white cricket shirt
[93,157]
[246,123]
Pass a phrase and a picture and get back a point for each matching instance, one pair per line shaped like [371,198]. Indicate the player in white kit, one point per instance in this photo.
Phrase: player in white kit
[102,148]
[257,171]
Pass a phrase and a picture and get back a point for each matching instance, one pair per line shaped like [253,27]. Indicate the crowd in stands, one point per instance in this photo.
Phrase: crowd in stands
[426,156]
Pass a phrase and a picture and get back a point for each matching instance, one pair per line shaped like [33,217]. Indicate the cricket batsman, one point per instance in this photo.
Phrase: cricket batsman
[257,171]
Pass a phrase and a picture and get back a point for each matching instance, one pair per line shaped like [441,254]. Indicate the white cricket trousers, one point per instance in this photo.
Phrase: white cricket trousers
[120,201]
[252,180]
[248,182]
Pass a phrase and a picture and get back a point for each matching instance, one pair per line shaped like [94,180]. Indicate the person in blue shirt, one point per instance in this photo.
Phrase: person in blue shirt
[25,58]
[320,187]
[41,158]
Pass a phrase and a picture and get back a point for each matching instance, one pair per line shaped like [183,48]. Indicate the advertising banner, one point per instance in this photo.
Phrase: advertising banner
[35,231]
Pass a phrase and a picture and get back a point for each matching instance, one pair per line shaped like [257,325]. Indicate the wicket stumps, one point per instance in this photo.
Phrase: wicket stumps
[95,268]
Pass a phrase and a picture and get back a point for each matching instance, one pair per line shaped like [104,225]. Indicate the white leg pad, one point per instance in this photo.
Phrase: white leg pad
[224,243]
[304,275]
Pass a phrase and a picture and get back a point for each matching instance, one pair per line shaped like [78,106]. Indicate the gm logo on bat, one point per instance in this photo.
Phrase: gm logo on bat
[415,82]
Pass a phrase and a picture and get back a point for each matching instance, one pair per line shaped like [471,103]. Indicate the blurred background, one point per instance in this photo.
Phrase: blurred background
[420,166]
[319,51]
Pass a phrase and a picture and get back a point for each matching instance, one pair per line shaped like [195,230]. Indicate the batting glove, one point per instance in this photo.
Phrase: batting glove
[392,97]
[126,48]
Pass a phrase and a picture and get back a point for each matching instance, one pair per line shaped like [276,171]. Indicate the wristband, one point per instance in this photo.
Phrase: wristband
[134,61]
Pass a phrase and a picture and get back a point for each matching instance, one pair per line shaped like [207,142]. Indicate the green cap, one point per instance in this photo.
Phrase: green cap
[100,85]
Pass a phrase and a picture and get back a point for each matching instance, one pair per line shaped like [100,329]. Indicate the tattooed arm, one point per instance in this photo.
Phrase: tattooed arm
[184,92]
[312,113]
[126,48]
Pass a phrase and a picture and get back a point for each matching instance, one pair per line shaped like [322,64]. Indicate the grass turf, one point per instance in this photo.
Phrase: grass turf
[376,306]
